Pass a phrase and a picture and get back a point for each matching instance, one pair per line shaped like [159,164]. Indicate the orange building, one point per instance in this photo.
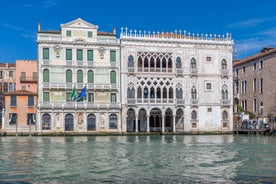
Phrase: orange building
[26,75]
[20,111]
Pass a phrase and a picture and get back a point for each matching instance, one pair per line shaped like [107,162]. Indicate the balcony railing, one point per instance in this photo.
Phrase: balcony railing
[79,105]
[132,101]
[194,102]
[193,72]
[224,73]
[131,69]
[179,71]
[79,86]
[28,79]
[225,102]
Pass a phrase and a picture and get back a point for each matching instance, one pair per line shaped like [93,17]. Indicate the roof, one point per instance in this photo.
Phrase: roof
[50,31]
[21,92]
[264,52]
[105,33]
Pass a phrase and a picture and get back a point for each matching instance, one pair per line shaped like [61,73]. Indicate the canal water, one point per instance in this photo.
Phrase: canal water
[138,159]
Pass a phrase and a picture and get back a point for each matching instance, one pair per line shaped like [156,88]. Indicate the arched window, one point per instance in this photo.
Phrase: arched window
[79,76]
[46,75]
[46,122]
[113,121]
[194,93]
[164,63]
[140,62]
[130,92]
[152,92]
[146,62]
[113,77]
[151,63]
[223,64]
[171,92]
[178,63]
[224,115]
[158,63]
[179,93]
[69,122]
[170,63]
[224,94]
[193,115]
[90,76]
[139,92]
[193,63]
[158,93]
[165,93]
[91,122]
[68,76]
[130,61]
[146,92]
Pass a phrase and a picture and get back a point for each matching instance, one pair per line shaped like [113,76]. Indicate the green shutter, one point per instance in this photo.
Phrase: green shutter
[79,55]
[69,54]
[46,97]
[69,76]
[112,77]
[90,77]
[79,77]
[113,56]
[90,55]
[46,76]
[90,34]
[68,33]
[45,53]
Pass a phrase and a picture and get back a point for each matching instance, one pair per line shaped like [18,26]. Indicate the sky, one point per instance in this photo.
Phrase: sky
[252,23]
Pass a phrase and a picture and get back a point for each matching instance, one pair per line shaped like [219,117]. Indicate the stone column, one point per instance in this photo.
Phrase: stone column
[136,123]
[148,127]
[173,123]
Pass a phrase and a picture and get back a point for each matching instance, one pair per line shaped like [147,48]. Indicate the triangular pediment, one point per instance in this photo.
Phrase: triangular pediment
[78,23]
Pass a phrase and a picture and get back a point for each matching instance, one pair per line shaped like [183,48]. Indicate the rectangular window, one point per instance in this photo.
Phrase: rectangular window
[68,33]
[208,58]
[90,56]
[254,66]
[113,97]
[261,85]
[68,54]
[35,76]
[90,97]
[11,87]
[45,54]
[23,76]
[79,55]
[23,88]
[46,96]
[208,86]
[1,74]
[113,56]
[30,101]
[254,84]
[31,119]
[261,64]
[89,34]
[237,72]
[13,100]
[243,69]
[245,86]
[209,109]
[10,73]
[12,118]
[254,105]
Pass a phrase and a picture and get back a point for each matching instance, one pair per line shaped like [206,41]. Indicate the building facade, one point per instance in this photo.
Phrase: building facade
[78,59]
[254,84]
[176,82]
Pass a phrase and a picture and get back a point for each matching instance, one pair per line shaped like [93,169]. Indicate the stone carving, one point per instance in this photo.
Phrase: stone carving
[80,120]
[102,120]
[58,120]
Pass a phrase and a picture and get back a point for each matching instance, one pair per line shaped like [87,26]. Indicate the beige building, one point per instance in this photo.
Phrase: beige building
[255,84]
[78,59]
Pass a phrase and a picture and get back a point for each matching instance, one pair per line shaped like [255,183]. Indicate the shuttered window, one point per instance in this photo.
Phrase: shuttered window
[46,75]
[68,76]
[113,56]
[13,100]
[79,55]
[46,96]
[112,77]
[90,56]
[79,76]
[90,77]
[90,34]
[30,101]
[69,54]
[45,54]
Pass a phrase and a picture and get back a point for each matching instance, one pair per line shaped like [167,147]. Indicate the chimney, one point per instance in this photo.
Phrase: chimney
[114,30]
[38,27]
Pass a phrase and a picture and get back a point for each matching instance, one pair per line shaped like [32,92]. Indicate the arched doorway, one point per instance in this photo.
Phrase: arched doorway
[131,125]
[155,120]
[168,120]
[46,122]
[91,122]
[69,122]
[179,120]
[142,120]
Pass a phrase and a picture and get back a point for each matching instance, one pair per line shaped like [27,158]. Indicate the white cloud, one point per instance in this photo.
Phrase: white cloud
[45,4]
[50,3]
[250,22]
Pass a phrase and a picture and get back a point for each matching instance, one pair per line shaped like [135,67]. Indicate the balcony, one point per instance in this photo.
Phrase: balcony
[194,102]
[224,73]
[131,70]
[179,71]
[79,105]
[28,79]
[46,62]
[225,103]
[194,72]
[180,102]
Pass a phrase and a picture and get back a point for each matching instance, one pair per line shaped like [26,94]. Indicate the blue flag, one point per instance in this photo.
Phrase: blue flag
[82,94]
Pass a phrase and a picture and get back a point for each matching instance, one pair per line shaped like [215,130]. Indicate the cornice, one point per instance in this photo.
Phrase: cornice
[83,43]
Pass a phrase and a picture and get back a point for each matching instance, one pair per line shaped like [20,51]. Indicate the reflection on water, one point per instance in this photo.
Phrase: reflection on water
[139,159]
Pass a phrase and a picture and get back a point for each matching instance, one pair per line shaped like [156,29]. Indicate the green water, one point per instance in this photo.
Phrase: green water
[138,159]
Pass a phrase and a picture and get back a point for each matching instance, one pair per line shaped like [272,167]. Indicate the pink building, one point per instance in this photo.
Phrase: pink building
[26,75]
